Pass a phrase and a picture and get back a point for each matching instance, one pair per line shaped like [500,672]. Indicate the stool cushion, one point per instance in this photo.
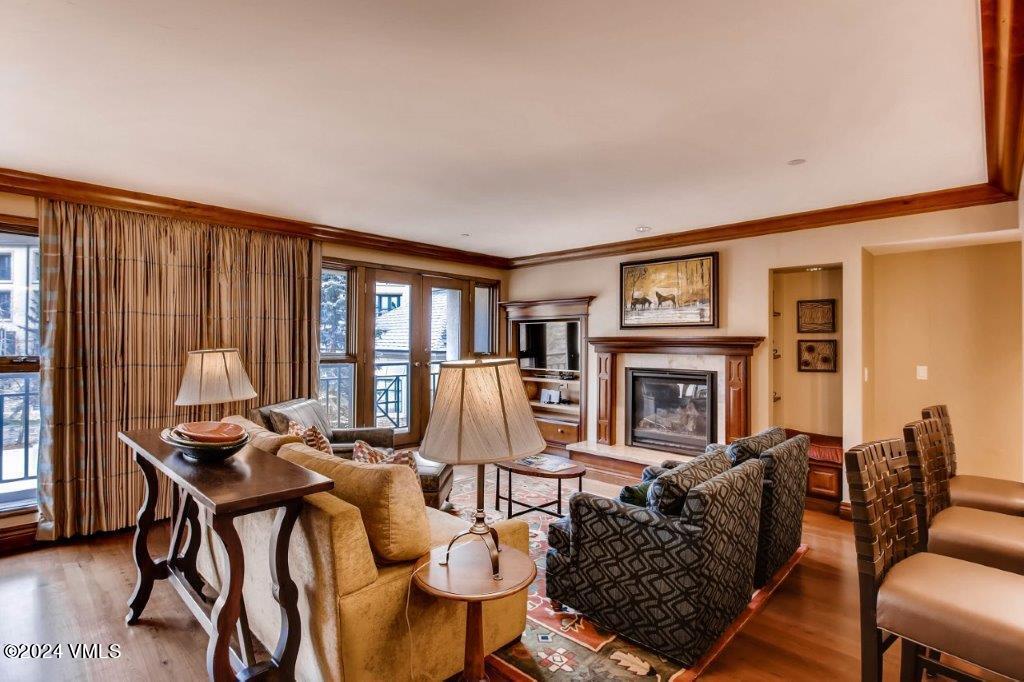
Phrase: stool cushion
[967,610]
[992,494]
[981,537]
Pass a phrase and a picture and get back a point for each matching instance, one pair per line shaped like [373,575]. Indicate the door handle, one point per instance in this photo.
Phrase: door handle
[417,364]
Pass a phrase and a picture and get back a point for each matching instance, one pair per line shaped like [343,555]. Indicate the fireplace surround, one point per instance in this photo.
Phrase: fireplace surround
[671,410]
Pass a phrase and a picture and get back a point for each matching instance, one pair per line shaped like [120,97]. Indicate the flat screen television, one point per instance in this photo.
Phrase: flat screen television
[549,345]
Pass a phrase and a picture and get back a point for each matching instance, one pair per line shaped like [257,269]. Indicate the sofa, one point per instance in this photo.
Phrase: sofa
[354,578]
[782,500]
[435,478]
[671,575]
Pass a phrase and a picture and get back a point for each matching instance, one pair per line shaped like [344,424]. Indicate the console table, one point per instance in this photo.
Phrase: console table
[250,481]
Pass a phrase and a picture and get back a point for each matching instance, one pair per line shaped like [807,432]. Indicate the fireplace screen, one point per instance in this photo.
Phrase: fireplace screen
[670,410]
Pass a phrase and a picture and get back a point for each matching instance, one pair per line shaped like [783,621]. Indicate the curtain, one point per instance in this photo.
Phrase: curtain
[125,296]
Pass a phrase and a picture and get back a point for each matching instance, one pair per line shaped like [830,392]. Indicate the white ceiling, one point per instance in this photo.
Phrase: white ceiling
[532,125]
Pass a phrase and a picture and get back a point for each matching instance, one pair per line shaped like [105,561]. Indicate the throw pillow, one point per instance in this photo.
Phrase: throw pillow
[742,449]
[364,452]
[388,497]
[635,494]
[310,436]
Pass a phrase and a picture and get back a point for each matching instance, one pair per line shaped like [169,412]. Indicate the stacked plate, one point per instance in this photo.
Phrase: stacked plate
[206,441]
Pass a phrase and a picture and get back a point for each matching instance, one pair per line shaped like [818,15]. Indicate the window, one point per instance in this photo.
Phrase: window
[19,370]
[387,302]
[337,366]
[484,319]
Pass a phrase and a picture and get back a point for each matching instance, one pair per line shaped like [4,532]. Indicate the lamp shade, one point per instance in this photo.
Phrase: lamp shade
[214,376]
[481,414]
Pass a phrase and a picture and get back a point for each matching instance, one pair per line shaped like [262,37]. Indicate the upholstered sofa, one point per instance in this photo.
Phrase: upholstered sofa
[672,575]
[354,579]
[435,478]
[782,501]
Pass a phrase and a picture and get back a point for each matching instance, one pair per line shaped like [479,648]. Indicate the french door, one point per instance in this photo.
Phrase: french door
[416,322]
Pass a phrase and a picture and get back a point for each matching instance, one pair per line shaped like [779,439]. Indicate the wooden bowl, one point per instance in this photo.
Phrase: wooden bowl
[211,432]
[203,453]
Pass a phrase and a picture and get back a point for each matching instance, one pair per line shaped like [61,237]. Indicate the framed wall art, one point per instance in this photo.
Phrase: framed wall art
[669,292]
[816,316]
[817,355]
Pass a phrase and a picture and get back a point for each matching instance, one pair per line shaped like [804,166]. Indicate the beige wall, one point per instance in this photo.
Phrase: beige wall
[958,312]
[745,281]
[810,401]
[17,204]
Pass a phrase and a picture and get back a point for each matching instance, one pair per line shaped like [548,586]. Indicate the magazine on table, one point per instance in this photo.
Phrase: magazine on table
[545,463]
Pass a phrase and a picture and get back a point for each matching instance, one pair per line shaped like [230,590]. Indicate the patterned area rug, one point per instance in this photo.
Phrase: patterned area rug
[566,645]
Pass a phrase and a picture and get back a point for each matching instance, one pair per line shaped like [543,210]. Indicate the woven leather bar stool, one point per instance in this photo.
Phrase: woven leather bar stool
[931,602]
[979,492]
[975,535]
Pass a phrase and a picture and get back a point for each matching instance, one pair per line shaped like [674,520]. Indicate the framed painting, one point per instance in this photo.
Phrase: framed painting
[669,292]
[816,316]
[817,355]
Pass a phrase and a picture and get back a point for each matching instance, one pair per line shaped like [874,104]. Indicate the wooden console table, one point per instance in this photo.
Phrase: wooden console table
[250,481]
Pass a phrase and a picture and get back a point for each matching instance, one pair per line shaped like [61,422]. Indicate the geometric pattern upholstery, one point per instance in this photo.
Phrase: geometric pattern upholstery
[743,449]
[672,583]
[782,505]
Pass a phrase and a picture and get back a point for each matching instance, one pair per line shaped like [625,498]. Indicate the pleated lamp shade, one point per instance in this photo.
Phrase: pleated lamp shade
[214,376]
[481,414]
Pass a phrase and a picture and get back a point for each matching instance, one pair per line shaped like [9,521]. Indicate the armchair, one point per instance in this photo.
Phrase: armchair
[673,583]
[435,477]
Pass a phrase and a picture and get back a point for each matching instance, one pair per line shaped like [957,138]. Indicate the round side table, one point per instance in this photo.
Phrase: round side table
[467,577]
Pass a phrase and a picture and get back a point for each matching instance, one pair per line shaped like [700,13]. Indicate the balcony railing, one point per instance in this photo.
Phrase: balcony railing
[391,394]
[337,393]
[19,435]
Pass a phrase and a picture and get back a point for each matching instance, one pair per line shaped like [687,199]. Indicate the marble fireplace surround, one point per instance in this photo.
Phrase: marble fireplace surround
[734,400]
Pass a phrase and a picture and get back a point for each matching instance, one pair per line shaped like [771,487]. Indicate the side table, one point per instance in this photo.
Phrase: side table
[571,470]
[467,577]
[248,482]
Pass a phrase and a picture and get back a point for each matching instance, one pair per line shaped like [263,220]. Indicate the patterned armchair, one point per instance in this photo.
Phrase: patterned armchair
[672,582]
[782,502]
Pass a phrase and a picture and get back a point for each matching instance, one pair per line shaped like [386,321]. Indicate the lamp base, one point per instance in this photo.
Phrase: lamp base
[480,529]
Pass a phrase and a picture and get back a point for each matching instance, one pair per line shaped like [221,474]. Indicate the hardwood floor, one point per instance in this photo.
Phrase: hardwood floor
[76,593]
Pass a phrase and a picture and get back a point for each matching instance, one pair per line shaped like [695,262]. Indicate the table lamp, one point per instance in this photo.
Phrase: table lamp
[481,415]
[212,377]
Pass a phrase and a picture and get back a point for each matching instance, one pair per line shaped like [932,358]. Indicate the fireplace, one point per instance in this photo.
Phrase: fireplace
[671,410]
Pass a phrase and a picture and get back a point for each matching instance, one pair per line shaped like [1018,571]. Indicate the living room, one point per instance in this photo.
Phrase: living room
[556,341]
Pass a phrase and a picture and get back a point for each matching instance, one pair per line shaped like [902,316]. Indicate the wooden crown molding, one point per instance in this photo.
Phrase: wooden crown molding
[548,307]
[677,345]
[941,200]
[34,184]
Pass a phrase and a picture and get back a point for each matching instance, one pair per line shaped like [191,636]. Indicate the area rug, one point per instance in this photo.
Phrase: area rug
[566,645]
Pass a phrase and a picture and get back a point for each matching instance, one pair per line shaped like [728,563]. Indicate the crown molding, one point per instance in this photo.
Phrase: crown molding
[34,184]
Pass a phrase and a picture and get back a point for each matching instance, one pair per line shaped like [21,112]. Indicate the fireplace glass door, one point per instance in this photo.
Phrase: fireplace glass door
[670,410]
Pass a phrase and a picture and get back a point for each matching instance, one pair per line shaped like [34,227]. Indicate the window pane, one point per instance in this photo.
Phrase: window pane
[337,393]
[445,331]
[19,436]
[19,294]
[483,319]
[334,312]
[391,357]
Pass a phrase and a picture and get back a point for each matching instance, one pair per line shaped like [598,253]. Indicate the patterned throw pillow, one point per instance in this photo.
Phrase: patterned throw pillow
[635,494]
[311,436]
[742,449]
[364,452]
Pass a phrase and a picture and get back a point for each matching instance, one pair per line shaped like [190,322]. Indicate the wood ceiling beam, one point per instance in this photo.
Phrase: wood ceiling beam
[34,184]
[1002,31]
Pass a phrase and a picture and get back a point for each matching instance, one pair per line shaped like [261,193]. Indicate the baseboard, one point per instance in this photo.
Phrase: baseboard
[845,512]
[17,537]
[818,504]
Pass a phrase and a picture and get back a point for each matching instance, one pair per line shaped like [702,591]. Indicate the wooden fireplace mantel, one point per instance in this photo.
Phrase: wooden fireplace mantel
[736,350]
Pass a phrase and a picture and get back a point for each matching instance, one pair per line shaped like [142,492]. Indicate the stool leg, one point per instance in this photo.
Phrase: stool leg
[910,664]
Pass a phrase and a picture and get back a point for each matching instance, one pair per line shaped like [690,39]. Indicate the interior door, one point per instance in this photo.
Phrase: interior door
[445,319]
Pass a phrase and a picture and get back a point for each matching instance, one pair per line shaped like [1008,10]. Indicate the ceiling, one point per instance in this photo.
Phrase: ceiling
[530,126]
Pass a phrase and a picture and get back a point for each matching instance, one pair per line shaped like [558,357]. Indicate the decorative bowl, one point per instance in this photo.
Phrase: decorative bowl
[200,452]
[211,432]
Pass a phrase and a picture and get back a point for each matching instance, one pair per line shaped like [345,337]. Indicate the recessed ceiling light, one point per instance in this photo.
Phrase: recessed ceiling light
[796,162]
[465,234]
[643,229]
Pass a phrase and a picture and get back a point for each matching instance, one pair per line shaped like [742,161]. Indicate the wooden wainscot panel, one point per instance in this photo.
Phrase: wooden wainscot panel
[605,398]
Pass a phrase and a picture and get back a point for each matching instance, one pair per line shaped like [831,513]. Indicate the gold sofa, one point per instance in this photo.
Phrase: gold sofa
[355,625]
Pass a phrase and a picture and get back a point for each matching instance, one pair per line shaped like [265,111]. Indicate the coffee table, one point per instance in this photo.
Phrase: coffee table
[577,471]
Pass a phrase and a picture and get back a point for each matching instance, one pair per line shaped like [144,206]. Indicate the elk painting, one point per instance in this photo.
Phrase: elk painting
[670,292]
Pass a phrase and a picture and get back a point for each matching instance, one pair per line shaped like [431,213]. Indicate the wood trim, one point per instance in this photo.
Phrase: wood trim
[677,345]
[547,308]
[845,512]
[19,223]
[20,536]
[1002,45]
[333,262]
[34,184]
[606,386]
[941,200]
[737,397]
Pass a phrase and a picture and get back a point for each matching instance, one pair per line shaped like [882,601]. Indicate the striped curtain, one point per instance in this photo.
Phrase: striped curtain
[125,296]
